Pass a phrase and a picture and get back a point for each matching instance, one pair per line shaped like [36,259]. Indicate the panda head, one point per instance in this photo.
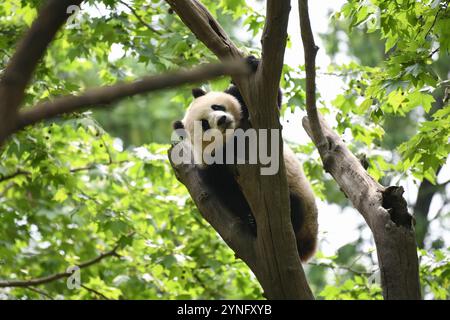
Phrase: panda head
[211,110]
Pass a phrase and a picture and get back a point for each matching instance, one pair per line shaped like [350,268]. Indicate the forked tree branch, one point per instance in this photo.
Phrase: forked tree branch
[57,276]
[384,209]
[29,52]
[277,266]
[105,96]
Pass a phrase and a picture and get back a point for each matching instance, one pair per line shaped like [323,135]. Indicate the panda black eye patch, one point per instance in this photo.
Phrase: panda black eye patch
[205,125]
[218,107]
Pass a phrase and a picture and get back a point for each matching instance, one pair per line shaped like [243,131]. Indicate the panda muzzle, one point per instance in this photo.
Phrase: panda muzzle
[224,122]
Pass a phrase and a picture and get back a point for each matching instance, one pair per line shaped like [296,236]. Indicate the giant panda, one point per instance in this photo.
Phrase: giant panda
[227,110]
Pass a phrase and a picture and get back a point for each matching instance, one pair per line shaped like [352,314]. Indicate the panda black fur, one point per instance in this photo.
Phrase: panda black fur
[213,106]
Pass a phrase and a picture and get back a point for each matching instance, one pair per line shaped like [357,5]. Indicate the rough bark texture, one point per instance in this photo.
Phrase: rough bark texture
[384,209]
[391,225]
[275,259]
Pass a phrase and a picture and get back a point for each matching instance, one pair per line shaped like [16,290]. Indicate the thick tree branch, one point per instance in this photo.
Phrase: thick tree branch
[273,44]
[277,266]
[104,96]
[197,18]
[22,64]
[384,209]
[57,276]
[231,228]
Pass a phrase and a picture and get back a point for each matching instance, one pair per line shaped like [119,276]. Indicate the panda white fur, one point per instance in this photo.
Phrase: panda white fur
[223,110]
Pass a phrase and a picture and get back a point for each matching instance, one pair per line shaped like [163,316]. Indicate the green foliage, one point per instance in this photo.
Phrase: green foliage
[435,273]
[70,190]
[348,277]
[406,84]
[76,194]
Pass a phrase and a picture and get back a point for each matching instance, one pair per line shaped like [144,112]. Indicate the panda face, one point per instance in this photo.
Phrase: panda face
[216,113]
[215,110]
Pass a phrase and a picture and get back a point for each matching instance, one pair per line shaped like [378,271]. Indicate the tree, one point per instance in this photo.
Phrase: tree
[272,255]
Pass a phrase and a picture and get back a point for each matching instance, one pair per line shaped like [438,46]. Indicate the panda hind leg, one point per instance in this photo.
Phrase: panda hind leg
[305,228]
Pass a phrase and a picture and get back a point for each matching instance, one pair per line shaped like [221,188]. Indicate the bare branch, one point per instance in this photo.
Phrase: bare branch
[310,50]
[384,209]
[104,96]
[57,276]
[22,64]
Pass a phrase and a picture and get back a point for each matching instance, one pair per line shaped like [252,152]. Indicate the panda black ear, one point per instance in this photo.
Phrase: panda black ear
[198,92]
[178,125]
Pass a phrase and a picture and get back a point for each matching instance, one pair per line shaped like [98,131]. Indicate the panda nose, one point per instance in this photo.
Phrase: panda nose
[222,120]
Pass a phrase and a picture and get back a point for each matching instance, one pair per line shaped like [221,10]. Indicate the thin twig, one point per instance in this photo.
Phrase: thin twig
[57,276]
[435,19]
[41,292]
[134,12]
[95,292]
[334,267]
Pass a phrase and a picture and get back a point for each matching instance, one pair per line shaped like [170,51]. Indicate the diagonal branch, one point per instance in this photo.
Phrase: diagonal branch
[197,18]
[105,96]
[310,50]
[134,12]
[22,64]
[98,293]
[57,276]
[384,209]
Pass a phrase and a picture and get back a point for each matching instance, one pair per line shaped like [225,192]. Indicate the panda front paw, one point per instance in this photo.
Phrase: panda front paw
[253,62]
[180,131]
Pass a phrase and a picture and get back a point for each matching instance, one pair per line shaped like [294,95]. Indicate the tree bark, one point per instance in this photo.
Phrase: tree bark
[277,264]
[384,209]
